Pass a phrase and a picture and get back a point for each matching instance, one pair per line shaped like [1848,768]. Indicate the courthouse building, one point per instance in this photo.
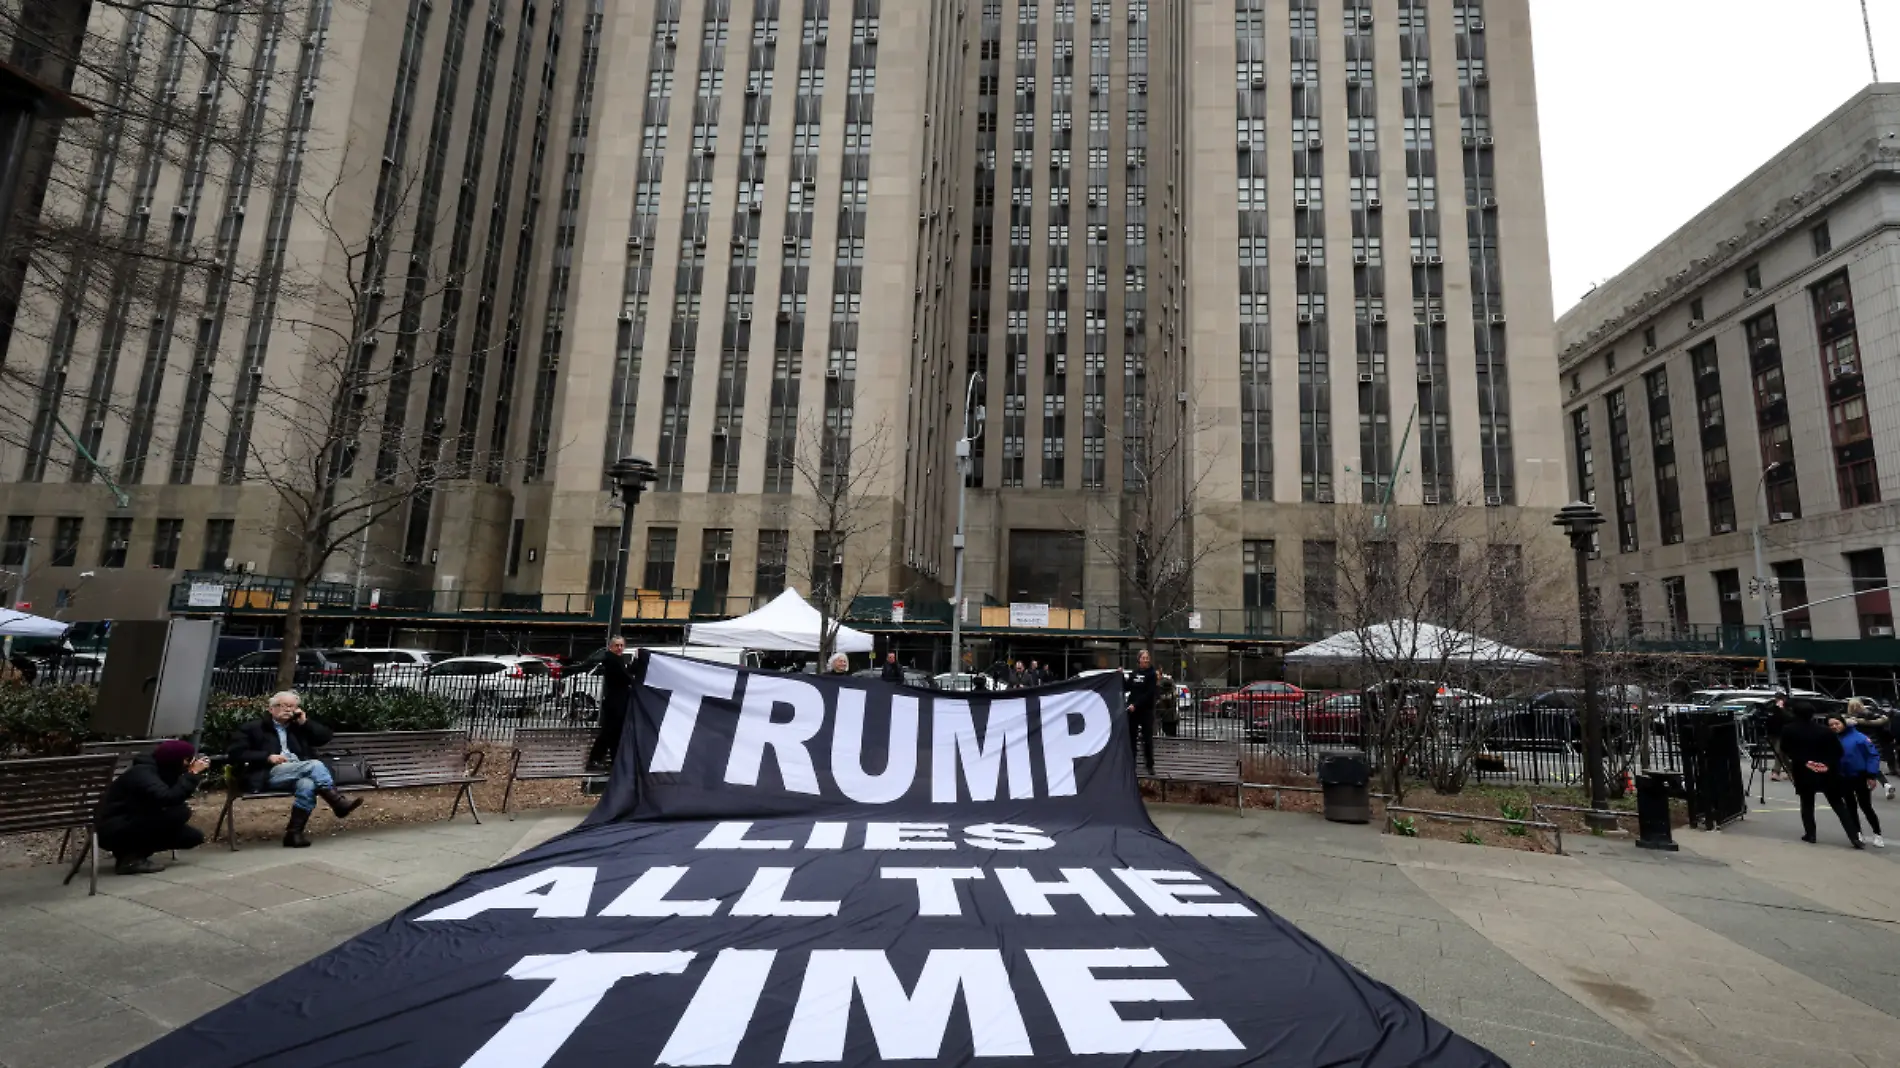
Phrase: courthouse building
[1301,240]
[1745,374]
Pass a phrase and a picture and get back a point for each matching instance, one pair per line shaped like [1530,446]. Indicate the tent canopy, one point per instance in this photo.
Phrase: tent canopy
[786,624]
[15,624]
[1408,639]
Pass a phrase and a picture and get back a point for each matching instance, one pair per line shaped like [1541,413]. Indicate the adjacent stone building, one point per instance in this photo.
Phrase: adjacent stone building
[1743,374]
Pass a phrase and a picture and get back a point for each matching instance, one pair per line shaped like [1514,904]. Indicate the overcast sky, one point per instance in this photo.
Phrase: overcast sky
[1651,109]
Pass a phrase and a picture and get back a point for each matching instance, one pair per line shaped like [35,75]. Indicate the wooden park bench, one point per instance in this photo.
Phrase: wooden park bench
[397,760]
[548,753]
[122,752]
[57,794]
[1187,760]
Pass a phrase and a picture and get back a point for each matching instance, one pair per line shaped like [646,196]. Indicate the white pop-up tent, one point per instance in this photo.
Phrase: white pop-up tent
[787,624]
[14,624]
[1410,640]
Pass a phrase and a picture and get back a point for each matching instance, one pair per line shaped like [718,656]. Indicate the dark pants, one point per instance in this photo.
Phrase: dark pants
[1141,734]
[1863,795]
[150,832]
[1836,795]
[613,719]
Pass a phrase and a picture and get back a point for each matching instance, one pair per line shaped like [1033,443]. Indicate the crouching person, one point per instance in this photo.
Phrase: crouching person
[147,809]
[279,752]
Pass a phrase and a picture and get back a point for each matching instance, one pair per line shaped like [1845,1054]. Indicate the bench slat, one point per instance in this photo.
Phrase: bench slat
[52,793]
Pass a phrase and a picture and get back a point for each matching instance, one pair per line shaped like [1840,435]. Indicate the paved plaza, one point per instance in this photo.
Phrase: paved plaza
[1746,948]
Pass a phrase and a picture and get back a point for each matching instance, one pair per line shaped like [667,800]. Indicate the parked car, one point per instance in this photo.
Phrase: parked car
[921,680]
[386,666]
[255,674]
[965,683]
[1254,699]
[1338,720]
[488,685]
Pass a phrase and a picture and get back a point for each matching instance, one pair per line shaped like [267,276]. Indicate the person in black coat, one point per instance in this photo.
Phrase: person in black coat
[1814,756]
[1144,685]
[616,693]
[891,672]
[147,808]
[279,752]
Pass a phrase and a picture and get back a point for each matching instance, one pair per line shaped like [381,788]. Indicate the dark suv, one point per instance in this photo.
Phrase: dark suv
[255,674]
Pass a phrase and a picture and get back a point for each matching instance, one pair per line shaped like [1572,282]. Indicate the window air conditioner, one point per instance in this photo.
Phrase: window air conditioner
[1378,318]
[1424,81]
[1418,261]
[1435,261]
[1649,350]
[1751,291]
[672,370]
[1314,142]
[722,558]
[1359,259]
[833,372]
[1489,202]
[1259,81]
[1695,324]
[1438,318]
[1306,317]
[1880,632]
[745,317]
[1493,501]
[1303,259]
[1475,26]
[1425,378]
[790,241]
[1324,496]
[1497,318]
[1365,378]
[1374,204]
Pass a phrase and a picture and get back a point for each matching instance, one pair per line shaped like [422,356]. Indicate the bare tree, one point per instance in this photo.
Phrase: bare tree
[349,383]
[842,498]
[1425,597]
[1147,534]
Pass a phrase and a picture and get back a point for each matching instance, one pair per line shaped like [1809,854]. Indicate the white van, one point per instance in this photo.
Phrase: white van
[580,697]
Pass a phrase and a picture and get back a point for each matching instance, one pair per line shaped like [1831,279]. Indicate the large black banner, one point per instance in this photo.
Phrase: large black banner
[791,869]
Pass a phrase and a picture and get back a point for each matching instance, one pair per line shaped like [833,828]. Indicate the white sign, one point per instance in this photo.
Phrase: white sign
[1194,621]
[1028,615]
[205,595]
[897,611]
[376,598]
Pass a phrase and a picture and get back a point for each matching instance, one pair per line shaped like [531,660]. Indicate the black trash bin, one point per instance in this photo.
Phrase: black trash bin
[1343,778]
[1653,791]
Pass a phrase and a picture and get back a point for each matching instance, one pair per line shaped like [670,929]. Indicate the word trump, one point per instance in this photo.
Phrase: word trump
[568,893]
[784,719]
[905,1025]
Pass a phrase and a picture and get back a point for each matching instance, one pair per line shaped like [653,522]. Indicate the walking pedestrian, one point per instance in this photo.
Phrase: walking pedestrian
[1143,683]
[1877,724]
[1814,757]
[1860,768]
[616,692]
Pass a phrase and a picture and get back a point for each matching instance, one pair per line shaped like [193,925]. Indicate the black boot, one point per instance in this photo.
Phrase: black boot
[293,831]
[339,804]
[137,866]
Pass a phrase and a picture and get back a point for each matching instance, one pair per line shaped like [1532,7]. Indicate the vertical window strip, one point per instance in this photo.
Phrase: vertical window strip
[1135,248]
[416,285]
[742,277]
[841,361]
[1316,393]
[1256,397]
[637,276]
[676,395]
[269,279]
[554,326]
[983,216]
[475,384]
[199,379]
[499,458]
[781,440]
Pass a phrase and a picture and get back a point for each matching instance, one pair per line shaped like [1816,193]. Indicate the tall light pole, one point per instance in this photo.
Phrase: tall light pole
[631,476]
[1763,587]
[965,462]
[1579,520]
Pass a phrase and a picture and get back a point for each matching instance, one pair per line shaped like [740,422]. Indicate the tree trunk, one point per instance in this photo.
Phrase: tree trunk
[293,635]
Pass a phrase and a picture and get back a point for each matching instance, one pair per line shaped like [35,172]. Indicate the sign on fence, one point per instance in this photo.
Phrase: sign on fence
[1022,614]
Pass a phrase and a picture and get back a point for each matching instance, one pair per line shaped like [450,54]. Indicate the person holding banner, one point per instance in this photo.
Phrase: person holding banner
[1143,683]
[616,689]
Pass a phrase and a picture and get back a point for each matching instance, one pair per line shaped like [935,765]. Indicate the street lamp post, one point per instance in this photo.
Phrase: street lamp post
[1763,587]
[1579,520]
[631,476]
[965,463]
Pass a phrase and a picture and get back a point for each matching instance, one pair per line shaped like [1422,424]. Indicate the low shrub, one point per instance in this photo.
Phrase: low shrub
[44,721]
[372,710]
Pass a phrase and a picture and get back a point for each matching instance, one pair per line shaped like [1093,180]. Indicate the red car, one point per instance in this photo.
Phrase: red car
[1254,699]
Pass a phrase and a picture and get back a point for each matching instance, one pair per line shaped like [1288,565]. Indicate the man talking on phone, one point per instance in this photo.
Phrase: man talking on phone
[279,752]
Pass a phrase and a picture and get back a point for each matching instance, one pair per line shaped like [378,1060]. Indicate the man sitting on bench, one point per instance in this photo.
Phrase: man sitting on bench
[279,752]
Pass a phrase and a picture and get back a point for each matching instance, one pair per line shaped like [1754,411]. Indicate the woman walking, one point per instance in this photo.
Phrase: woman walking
[1813,754]
[1860,770]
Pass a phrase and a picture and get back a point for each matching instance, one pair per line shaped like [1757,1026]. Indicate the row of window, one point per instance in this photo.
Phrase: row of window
[1866,570]
[17,549]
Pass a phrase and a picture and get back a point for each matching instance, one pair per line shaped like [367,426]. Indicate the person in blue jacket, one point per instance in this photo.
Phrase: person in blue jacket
[1860,767]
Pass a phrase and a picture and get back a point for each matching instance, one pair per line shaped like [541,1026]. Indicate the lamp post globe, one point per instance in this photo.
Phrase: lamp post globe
[1579,521]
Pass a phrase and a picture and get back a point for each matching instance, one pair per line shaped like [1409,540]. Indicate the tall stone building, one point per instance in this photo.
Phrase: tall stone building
[1182,242]
[1743,378]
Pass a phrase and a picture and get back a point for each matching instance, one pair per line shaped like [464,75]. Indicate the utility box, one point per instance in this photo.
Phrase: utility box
[1344,775]
[157,678]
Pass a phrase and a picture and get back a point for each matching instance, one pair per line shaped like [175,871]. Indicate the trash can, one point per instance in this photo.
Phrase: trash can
[1653,791]
[1343,778]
